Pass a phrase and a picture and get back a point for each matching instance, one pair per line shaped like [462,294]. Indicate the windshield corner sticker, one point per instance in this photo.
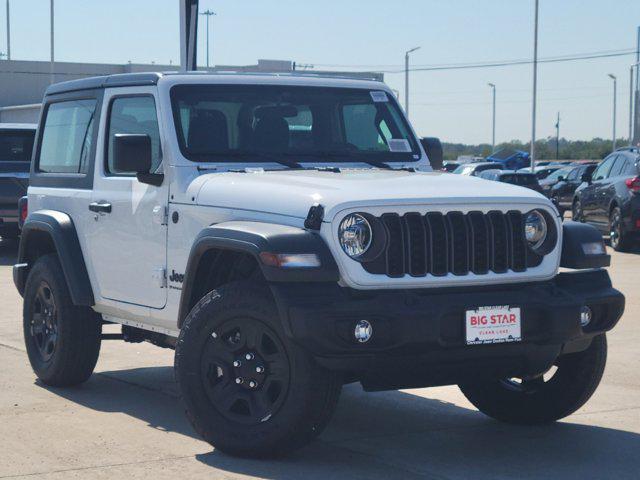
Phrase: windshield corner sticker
[399,145]
[379,96]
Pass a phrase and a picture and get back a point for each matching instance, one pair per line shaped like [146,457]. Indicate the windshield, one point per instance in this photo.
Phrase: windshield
[519,178]
[563,172]
[264,122]
[16,145]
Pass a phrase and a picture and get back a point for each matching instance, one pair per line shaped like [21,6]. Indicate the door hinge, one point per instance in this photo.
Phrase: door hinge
[160,277]
[161,214]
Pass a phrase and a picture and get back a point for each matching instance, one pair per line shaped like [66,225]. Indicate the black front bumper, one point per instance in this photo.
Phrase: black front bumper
[419,335]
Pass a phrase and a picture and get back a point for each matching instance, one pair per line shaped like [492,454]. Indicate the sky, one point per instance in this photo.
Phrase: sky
[454,105]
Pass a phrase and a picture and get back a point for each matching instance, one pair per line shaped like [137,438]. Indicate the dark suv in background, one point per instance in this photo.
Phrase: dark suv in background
[563,192]
[16,145]
[609,199]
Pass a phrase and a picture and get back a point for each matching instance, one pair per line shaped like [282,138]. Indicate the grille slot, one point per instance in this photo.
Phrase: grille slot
[455,243]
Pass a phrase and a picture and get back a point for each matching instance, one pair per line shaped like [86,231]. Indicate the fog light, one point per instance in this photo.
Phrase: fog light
[585,316]
[363,331]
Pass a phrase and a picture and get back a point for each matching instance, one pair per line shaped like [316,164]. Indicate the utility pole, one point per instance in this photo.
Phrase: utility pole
[52,42]
[406,79]
[535,89]
[615,93]
[631,103]
[493,135]
[208,14]
[558,137]
[636,101]
[188,35]
[8,32]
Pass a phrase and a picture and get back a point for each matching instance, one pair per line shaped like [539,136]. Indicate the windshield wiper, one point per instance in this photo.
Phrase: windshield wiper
[368,161]
[271,157]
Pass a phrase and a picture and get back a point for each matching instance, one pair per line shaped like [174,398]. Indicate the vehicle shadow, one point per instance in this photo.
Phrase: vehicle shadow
[8,252]
[387,435]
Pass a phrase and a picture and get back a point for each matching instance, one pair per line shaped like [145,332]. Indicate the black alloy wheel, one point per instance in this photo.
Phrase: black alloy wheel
[245,370]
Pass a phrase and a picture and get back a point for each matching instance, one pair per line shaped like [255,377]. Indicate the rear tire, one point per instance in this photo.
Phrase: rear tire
[248,390]
[538,401]
[62,339]
[619,239]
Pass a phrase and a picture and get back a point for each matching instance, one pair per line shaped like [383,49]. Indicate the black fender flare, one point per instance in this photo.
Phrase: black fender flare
[574,236]
[59,227]
[255,238]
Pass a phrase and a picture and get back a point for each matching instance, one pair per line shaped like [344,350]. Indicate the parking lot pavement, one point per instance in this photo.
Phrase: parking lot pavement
[126,422]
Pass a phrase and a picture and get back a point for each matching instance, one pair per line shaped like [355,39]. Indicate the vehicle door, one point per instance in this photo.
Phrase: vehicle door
[588,194]
[563,191]
[606,190]
[128,238]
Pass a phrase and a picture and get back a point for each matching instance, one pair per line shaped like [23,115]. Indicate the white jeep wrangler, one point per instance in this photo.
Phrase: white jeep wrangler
[286,235]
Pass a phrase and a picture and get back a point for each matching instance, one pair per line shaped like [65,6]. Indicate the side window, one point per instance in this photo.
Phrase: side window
[67,137]
[630,168]
[618,167]
[573,174]
[603,170]
[134,115]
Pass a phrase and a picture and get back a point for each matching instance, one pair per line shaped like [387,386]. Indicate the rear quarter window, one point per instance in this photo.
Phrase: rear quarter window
[67,137]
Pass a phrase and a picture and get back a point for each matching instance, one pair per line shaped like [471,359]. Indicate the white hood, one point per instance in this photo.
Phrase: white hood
[293,192]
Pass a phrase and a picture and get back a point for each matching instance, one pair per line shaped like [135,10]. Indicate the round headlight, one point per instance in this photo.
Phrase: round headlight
[355,235]
[535,229]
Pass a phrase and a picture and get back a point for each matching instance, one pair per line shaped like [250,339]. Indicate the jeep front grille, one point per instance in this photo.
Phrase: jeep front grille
[439,244]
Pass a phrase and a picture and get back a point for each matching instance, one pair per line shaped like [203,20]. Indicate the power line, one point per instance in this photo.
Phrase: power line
[495,63]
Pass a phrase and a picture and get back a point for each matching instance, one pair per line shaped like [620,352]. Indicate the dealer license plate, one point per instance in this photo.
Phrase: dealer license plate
[500,324]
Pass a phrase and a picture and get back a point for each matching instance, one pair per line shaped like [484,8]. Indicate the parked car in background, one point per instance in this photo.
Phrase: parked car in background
[510,159]
[527,180]
[561,194]
[16,145]
[450,166]
[542,172]
[547,183]
[474,169]
[609,199]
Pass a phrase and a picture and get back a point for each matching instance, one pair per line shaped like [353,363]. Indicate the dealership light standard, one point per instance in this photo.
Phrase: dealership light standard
[631,89]
[615,92]
[8,33]
[406,79]
[208,14]
[493,135]
[535,89]
[52,41]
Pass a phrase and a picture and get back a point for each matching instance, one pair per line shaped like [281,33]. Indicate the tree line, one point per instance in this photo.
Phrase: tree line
[595,149]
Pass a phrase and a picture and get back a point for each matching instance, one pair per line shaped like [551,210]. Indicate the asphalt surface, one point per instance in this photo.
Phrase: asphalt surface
[127,422]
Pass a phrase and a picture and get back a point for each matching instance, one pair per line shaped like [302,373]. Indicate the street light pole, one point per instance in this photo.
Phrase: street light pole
[615,92]
[8,32]
[631,104]
[493,135]
[535,89]
[208,13]
[52,42]
[406,79]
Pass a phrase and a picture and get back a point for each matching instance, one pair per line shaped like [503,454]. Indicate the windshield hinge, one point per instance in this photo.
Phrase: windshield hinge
[161,214]
[314,217]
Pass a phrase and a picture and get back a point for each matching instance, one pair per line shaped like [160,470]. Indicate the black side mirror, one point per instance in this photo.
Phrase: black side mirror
[587,178]
[132,154]
[433,149]
[561,179]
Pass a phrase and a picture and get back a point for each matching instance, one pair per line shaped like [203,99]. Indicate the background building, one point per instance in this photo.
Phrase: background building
[23,83]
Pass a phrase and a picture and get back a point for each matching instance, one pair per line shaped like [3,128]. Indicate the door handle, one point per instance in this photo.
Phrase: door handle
[100,207]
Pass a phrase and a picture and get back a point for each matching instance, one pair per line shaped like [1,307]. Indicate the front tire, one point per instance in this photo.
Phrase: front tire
[62,339]
[248,390]
[577,215]
[531,401]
